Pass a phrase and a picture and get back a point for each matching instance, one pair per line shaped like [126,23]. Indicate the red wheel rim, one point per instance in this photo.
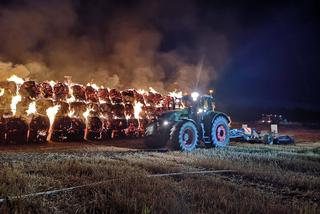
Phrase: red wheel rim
[221,133]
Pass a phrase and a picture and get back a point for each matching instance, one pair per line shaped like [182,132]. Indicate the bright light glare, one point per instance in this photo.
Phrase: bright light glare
[200,110]
[194,95]
[165,123]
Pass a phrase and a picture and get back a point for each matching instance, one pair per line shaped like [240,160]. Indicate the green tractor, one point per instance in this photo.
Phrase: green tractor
[183,129]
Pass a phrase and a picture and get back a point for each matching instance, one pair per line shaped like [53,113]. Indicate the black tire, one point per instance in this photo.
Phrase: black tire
[268,139]
[220,136]
[184,136]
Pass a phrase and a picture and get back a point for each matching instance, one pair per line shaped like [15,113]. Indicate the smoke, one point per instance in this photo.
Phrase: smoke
[8,69]
[113,44]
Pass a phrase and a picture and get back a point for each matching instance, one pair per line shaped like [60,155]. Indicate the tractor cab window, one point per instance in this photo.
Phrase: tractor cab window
[206,104]
[213,106]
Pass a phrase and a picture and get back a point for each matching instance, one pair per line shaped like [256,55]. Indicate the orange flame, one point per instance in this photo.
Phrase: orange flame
[16,79]
[137,110]
[31,109]
[51,113]
[14,102]
[1,92]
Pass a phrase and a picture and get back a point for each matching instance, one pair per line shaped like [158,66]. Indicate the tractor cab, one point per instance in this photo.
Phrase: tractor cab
[200,107]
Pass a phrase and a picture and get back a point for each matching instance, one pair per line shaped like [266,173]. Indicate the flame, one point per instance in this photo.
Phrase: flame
[102,116]
[71,98]
[160,104]
[51,113]
[176,94]
[141,91]
[153,91]
[16,79]
[137,109]
[102,101]
[32,108]
[1,92]
[87,113]
[71,113]
[93,85]
[52,83]
[14,102]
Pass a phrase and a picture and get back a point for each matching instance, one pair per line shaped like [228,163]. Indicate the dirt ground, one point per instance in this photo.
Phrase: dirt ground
[261,178]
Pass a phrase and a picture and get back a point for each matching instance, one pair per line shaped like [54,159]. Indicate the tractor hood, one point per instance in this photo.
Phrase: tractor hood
[174,115]
[164,122]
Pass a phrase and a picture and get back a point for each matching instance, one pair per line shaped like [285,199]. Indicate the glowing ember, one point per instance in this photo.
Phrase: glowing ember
[14,102]
[32,108]
[1,92]
[16,79]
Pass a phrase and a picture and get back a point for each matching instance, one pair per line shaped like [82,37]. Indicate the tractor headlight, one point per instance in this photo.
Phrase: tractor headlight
[194,95]
[200,110]
[165,123]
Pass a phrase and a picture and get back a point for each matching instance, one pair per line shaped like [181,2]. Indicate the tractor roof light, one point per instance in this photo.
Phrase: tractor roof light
[194,96]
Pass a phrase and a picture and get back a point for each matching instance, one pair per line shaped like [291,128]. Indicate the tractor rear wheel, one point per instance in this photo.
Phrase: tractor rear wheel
[220,135]
[184,136]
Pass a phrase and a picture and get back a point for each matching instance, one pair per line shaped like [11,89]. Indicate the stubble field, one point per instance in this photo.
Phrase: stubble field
[122,177]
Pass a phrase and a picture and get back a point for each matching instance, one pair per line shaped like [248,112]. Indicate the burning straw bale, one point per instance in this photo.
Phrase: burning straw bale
[91,94]
[16,130]
[38,129]
[45,90]
[79,92]
[64,111]
[61,91]
[103,95]
[29,89]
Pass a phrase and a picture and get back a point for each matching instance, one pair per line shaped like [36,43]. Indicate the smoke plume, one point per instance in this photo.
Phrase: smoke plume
[121,45]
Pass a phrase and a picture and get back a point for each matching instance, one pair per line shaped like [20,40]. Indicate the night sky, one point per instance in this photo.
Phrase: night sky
[257,54]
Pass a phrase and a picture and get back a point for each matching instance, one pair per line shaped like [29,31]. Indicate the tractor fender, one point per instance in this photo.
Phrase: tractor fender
[185,119]
[213,115]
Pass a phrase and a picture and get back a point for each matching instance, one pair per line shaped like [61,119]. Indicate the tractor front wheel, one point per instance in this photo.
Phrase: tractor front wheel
[184,136]
[220,135]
